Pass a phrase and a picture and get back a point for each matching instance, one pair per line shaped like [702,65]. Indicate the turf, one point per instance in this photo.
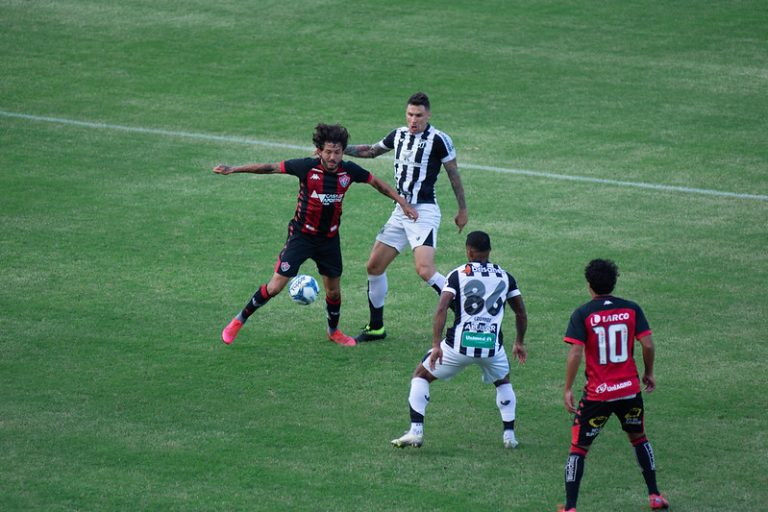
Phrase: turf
[123,256]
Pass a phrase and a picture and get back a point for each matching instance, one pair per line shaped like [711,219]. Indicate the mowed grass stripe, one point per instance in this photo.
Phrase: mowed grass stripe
[258,142]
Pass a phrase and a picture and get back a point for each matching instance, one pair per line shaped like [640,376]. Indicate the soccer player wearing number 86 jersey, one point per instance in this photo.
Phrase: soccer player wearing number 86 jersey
[477,293]
[603,331]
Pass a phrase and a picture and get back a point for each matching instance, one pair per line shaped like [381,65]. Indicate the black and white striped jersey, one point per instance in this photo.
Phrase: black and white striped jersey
[480,291]
[418,158]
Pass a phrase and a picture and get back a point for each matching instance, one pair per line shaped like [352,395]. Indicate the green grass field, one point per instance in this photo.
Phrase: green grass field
[123,256]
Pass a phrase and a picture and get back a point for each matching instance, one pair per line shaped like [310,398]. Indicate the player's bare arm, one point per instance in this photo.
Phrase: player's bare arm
[249,168]
[571,369]
[438,324]
[649,353]
[365,150]
[390,192]
[452,169]
[519,351]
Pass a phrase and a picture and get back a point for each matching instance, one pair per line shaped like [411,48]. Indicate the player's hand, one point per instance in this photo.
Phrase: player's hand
[411,212]
[222,169]
[461,219]
[435,356]
[520,353]
[650,383]
[568,399]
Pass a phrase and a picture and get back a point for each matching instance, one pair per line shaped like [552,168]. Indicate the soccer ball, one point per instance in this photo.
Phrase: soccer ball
[303,289]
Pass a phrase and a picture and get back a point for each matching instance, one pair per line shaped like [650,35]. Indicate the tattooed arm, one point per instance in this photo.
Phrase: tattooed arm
[252,168]
[366,151]
[452,168]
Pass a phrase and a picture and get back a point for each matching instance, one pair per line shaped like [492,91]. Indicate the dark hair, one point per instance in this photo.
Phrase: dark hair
[419,99]
[333,133]
[601,275]
[479,241]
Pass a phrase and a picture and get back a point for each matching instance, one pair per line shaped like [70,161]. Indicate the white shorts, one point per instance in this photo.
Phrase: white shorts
[400,231]
[493,368]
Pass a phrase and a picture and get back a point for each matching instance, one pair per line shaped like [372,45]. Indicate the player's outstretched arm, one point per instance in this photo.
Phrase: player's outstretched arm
[452,168]
[249,168]
[388,191]
[365,150]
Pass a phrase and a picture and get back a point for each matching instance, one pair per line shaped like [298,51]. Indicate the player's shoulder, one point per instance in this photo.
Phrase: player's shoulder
[349,165]
[304,163]
[620,302]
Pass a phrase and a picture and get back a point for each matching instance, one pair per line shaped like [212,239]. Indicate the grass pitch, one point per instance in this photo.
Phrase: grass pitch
[123,256]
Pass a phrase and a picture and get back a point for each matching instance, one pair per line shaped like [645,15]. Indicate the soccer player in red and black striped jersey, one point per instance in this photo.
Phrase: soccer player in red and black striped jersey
[313,233]
[604,331]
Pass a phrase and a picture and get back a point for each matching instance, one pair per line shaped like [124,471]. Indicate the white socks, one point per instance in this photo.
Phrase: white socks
[418,399]
[506,402]
[377,289]
[437,282]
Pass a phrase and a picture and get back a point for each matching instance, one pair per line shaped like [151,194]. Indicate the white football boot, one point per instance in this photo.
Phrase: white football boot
[510,441]
[409,439]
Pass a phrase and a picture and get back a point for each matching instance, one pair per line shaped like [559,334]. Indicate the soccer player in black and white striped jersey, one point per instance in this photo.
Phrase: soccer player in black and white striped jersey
[477,292]
[421,151]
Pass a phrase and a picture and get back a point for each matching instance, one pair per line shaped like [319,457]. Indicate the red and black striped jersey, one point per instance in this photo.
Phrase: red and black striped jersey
[608,326]
[321,192]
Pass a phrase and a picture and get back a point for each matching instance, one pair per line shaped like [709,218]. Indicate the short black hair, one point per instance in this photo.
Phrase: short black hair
[333,133]
[419,99]
[601,275]
[479,241]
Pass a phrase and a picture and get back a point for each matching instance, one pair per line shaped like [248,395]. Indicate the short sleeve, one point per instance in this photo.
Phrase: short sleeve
[513,289]
[358,174]
[388,142]
[449,151]
[298,166]
[576,331]
[452,283]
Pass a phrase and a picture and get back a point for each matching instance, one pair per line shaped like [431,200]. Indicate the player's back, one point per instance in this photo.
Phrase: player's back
[480,292]
[607,326]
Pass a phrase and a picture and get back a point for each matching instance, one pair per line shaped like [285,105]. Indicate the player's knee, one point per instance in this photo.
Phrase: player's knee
[425,271]
[374,268]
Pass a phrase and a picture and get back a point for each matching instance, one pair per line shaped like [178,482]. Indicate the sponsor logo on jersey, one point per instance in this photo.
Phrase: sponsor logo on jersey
[597,318]
[598,421]
[605,388]
[315,176]
[327,199]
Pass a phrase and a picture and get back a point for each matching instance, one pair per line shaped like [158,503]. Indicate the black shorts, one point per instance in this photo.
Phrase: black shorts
[592,415]
[300,247]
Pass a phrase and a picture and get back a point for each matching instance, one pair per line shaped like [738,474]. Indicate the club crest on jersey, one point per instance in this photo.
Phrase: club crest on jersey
[344,180]
[284,266]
